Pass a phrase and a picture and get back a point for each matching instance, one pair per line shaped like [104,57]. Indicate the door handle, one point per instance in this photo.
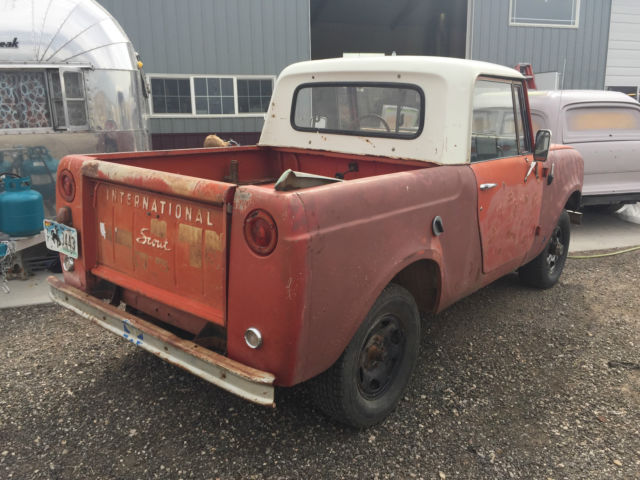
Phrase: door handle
[488,186]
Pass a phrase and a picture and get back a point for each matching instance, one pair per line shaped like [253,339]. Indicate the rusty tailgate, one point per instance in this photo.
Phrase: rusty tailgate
[161,235]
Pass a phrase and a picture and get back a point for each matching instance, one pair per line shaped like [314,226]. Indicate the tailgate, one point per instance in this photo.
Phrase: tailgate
[164,240]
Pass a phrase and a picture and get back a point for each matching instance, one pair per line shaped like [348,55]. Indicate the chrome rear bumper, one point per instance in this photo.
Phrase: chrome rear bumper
[246,382]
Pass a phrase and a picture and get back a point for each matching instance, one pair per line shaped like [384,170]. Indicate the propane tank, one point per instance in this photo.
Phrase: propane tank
[21,208]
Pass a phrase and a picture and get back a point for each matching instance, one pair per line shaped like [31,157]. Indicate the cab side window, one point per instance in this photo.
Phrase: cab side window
[499,123]
[521,120]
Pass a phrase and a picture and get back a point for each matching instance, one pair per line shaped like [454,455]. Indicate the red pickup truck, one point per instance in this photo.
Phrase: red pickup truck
[381,187]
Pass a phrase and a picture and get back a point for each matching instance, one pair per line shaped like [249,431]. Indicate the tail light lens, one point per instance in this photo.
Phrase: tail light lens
[67,185]
[260,232]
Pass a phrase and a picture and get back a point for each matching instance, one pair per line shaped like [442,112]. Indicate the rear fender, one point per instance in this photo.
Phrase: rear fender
[365,233]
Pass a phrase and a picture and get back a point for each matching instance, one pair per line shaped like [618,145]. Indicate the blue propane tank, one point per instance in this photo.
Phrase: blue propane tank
[21,208]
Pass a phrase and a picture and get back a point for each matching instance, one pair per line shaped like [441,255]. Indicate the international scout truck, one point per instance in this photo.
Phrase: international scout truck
[380,188]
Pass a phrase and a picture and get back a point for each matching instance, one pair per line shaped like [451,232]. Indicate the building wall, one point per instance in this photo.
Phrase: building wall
[220,37]
[623,60]
[578,54]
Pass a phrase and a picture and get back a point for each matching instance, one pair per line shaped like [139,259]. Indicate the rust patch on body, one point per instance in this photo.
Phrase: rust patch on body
[142,259]
[162,263]
[124,237]
[192,236]
[158,228]
[213,241]
[242,200]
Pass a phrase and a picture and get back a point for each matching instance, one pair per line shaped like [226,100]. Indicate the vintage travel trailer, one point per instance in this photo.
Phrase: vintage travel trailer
[70,82]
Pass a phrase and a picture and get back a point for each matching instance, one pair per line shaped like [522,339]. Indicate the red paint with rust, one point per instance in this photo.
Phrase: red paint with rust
[338,244]
[509,212]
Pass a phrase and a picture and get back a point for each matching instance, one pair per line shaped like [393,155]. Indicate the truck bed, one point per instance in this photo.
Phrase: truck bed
[260,165]
[161,224]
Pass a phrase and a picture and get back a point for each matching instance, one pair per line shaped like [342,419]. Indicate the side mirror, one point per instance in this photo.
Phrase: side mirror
[541,150]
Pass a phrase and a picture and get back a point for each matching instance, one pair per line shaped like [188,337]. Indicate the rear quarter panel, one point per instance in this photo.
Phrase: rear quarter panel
[342,244]
[367,232]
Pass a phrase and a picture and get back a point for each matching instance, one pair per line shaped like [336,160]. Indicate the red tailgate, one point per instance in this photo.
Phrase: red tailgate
[167,247]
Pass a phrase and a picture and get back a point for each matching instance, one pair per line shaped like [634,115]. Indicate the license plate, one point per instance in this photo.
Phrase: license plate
[61,238]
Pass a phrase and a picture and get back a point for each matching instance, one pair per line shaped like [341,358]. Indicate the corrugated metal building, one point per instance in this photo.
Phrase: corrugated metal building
[623,60]
[564,36]
[211,63]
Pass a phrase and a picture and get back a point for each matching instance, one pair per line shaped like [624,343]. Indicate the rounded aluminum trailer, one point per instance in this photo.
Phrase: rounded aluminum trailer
[69,83]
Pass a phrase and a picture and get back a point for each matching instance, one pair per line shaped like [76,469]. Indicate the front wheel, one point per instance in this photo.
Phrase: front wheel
[366,383]
[544,270]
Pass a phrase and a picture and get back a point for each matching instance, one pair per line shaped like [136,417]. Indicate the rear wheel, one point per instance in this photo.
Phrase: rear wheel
[365,384]
[544,270]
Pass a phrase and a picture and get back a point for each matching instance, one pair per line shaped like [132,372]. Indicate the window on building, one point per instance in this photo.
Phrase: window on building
[199,95]
[214,96]
[545,13]
[171,95]
[496,132]
[254,95]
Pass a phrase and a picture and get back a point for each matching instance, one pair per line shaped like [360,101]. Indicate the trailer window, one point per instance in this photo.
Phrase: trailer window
[23,100]
[382,110]
[76,107]
[69,103]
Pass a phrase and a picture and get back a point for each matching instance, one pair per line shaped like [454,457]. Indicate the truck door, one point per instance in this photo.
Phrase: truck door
[508,179]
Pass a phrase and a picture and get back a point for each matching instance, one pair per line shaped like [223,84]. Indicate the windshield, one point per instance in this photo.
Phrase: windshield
[389,110]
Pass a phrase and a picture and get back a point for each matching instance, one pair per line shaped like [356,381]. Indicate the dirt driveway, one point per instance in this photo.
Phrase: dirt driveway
[511,383]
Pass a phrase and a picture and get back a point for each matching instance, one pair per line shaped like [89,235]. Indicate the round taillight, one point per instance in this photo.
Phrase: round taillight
[67,185]
[260,232]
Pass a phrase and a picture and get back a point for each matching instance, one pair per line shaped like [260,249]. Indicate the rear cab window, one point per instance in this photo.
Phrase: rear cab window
[371,109]
[499,125]
[600,123]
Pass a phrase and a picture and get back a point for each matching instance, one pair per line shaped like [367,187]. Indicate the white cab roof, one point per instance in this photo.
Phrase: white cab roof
[447,84]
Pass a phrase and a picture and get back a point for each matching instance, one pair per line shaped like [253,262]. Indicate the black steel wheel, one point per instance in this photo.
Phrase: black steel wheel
[364,386]
[545,270]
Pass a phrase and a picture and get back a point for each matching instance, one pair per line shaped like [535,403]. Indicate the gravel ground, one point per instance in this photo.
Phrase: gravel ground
[511,383]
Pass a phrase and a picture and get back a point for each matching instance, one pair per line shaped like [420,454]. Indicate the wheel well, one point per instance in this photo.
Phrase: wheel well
[422,280]
[574,201]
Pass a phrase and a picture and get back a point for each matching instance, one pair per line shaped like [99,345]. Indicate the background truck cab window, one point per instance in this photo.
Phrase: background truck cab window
[386,110]
[602,123]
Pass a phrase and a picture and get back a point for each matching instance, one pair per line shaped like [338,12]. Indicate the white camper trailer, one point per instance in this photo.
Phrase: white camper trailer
[70,82]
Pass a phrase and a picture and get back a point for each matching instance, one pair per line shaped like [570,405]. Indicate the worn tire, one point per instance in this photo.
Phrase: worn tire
[365,384]
[544,270]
